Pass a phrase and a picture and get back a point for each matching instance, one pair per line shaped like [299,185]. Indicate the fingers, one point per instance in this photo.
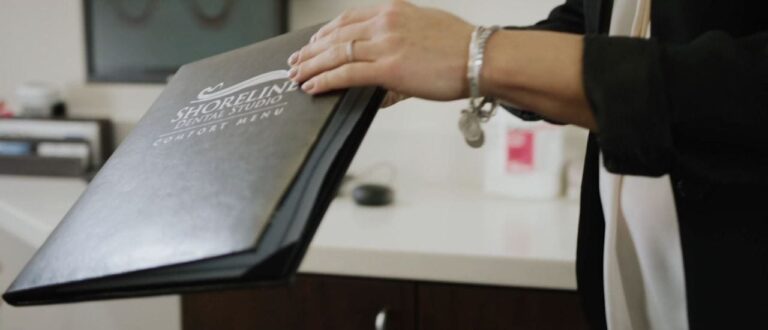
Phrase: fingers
[333,57]
[348,75]
[356,31]
[324,64]
[348,17]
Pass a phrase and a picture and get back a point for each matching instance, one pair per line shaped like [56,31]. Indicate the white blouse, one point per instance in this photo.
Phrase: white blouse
[642,262]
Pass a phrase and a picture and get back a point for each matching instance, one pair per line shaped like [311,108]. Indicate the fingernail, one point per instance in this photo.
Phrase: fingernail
[292,72]
[313,38]
[293,58]
[308,86]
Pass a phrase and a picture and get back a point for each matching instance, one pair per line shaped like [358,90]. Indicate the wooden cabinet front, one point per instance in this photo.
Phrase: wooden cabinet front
[339,303]
[311,302]
[461,307]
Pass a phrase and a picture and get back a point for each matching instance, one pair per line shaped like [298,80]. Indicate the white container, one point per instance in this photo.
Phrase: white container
[36,99]
[524,159]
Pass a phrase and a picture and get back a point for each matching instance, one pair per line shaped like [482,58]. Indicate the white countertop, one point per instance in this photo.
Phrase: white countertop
[431,233]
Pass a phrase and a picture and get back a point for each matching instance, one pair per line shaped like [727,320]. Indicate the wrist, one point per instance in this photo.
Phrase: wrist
[491,77]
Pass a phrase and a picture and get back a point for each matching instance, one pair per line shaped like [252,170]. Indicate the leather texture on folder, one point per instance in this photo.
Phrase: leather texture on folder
[221,183]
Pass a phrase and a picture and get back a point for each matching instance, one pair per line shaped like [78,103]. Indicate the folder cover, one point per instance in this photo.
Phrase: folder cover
[222,183]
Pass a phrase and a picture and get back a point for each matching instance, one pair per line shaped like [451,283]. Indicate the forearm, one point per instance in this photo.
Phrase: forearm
[422,52]
[540,72]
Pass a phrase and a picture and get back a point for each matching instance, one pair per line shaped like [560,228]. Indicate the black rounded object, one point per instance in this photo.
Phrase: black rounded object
[372,195]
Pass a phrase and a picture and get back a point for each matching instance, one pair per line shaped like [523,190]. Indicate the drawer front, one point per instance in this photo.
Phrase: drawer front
[461,307]
[311,302]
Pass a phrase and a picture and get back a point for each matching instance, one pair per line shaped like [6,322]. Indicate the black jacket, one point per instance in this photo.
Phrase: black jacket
[691,102]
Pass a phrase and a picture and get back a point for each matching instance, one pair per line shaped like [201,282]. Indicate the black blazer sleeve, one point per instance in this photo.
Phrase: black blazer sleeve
[700,107]
[568,17]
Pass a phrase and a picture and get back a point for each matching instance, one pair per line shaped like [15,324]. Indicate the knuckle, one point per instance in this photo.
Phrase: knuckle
[304,69]
[327,28]
[303,53]
[386,23]
[390,17]
[345,16]
[335,35]
[393,6]
[317,82]
[324,28]
[323,81]
[324,57]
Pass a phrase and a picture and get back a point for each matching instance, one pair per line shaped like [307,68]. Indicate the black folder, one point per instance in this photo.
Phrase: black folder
[222,184]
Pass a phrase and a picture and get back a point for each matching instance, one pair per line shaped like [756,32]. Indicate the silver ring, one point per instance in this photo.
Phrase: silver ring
[351,51]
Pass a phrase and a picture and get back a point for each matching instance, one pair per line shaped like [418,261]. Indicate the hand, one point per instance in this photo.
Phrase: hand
[406,49]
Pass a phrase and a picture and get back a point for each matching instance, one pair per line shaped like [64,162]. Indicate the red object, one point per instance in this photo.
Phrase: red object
[5,112]
[520,150]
